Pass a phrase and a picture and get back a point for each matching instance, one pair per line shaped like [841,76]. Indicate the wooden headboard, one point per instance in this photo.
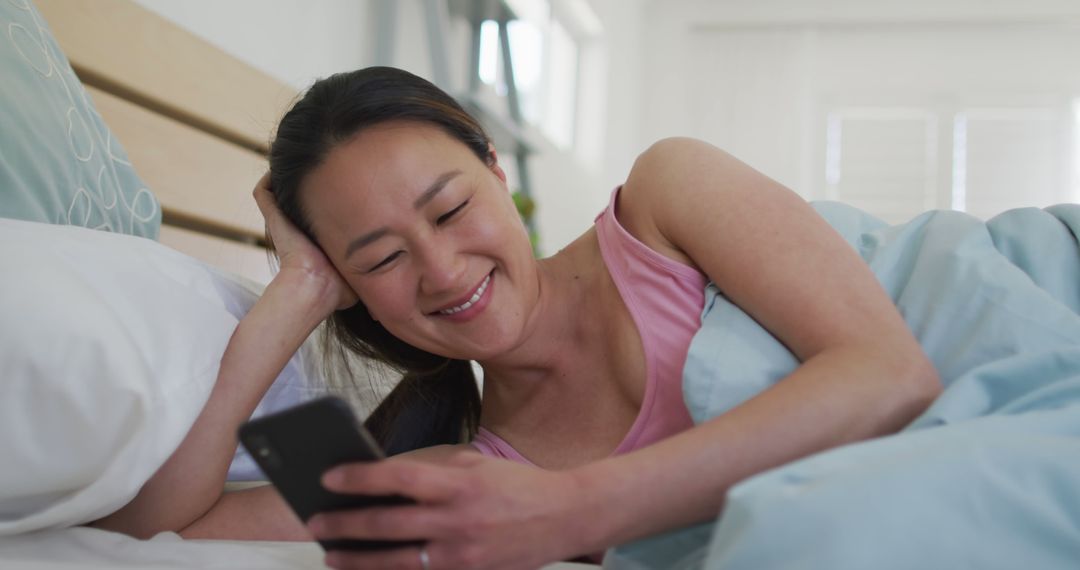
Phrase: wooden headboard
[195,121]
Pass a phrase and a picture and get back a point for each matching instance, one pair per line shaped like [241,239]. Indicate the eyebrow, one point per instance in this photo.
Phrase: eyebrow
[420,202]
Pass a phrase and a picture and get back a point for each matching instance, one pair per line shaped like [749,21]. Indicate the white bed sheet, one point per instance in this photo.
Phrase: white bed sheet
[87,548]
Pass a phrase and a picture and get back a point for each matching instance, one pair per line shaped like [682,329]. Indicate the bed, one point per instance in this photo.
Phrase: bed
[986,477]
[130,248]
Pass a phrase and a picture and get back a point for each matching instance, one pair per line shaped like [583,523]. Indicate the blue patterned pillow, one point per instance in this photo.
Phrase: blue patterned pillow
[59,163]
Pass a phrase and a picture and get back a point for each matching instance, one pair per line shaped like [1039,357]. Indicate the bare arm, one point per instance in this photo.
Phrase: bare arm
[258,513]
[862,375]
[192,479]
[303,293]
[261,514]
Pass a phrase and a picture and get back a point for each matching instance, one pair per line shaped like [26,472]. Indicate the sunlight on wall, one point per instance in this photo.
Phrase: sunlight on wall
[1076,150]
[959,163]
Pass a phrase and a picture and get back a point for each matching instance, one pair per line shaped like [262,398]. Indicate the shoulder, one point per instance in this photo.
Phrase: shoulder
[676,169]
[710,207]
[665,182]
[666,153]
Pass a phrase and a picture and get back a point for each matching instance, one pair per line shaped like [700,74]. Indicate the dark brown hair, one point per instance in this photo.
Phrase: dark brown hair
[437,400]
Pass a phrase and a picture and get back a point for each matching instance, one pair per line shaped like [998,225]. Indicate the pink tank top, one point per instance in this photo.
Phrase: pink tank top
[665,299]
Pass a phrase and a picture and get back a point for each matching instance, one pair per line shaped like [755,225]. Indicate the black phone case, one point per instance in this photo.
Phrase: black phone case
[295,446]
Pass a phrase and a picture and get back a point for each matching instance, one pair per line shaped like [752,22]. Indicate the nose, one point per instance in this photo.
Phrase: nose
[442,267]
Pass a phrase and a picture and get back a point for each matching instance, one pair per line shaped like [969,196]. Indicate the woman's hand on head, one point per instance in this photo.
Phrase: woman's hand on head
[472,511]
[297,253]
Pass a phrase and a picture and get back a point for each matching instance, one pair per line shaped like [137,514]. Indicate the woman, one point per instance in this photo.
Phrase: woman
[410,243]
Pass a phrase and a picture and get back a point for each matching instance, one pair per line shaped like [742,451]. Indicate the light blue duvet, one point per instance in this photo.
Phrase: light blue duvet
[988,477]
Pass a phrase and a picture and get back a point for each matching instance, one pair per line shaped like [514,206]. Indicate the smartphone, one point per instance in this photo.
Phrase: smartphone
[295,446]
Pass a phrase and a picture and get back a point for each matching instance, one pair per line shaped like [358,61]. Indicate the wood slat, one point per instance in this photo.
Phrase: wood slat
[202,182]
[125,49]
[242,259]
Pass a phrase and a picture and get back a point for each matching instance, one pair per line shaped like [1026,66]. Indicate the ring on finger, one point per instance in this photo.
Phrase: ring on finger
[425,560]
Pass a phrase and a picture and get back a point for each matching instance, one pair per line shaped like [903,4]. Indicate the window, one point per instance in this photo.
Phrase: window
[883,160]
[1008,157]
[545,42]
[899,161]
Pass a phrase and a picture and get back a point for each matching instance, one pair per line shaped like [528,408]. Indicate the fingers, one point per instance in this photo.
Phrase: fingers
[399,522]
[263,198]
[263,185]
[268,207]
[423,482]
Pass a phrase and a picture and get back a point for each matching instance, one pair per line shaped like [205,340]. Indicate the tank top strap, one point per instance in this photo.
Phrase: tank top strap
[665,298]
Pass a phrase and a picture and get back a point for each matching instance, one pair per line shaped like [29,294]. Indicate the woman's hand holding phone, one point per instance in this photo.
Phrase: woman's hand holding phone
[296,252]
[471,511]
[467,511]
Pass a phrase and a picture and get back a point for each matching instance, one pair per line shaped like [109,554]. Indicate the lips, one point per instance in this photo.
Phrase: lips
[466,302]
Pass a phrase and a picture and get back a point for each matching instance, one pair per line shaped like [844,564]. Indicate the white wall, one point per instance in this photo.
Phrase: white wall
[296,41]
[761,78]
[620,101]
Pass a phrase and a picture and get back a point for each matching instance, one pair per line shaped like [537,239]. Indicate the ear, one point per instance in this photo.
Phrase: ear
[495,163]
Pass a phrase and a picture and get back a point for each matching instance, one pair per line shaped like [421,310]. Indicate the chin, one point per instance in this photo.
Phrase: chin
[482,351]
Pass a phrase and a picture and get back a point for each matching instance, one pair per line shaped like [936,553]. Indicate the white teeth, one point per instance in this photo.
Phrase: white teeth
[476,297]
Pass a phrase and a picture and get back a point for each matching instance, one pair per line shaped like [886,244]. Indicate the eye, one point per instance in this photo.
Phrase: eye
[443,218]
[385,262]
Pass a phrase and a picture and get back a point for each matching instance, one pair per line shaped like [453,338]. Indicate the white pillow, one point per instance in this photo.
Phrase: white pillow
[109,348]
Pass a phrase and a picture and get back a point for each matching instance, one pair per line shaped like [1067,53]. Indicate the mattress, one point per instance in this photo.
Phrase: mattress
[88,548]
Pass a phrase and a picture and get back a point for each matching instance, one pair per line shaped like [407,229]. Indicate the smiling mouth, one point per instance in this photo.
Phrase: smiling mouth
[472,300]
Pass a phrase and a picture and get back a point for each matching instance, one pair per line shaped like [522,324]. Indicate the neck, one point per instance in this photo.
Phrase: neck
[558,339]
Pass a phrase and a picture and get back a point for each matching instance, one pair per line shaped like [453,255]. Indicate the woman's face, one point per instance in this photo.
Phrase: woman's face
[428,237]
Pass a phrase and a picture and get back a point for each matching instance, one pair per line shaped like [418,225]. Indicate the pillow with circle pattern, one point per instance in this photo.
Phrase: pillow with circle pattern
[59,163]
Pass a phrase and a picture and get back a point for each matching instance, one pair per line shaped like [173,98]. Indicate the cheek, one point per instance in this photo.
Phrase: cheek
[387,301]
[506,226]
